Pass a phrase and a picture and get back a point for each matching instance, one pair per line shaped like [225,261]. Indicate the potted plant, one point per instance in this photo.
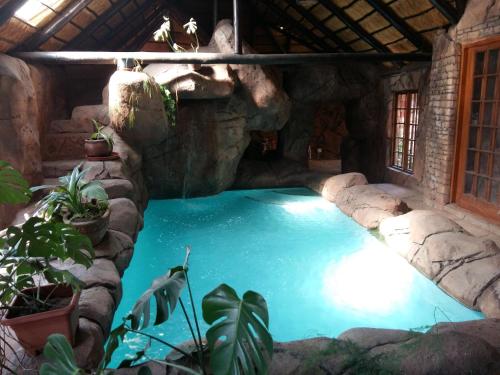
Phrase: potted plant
[83,204]
[36,298]
[99,145]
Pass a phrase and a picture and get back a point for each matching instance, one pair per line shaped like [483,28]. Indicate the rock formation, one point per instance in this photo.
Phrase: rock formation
[218,107]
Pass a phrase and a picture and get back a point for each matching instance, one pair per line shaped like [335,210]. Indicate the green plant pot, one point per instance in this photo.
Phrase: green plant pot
[94,229]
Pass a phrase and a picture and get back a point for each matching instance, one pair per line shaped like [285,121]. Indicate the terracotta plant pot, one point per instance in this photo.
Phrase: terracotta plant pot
[94,229]
[33,330]
[97,148]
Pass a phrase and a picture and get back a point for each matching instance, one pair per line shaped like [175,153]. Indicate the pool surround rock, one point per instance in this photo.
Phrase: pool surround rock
[466,267]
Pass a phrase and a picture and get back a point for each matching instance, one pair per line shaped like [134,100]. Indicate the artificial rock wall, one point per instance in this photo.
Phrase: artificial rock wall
[218,107]
[357,89]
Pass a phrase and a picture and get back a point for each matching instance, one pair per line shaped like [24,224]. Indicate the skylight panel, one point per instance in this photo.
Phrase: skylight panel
[34,12]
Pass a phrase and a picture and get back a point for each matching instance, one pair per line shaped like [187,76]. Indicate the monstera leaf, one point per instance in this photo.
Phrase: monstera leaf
[40,238]
[166,290]
[239,342]
[14,188]
[60,356]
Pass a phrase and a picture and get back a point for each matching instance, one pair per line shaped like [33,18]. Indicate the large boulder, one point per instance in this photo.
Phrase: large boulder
[369,205]
[136,109]
[466,267]
[268,104]
[335,184]
[208,82]
[202,152]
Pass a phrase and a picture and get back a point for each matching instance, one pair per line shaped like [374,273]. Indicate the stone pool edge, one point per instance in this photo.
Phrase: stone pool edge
[367,205]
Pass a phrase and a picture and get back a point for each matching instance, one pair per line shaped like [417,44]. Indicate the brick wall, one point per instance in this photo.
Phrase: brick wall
[481,19]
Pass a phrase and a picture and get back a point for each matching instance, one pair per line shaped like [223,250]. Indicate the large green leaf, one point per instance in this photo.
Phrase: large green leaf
[39,238]
[61,359]
[239,341]
[166,290]
[14,189]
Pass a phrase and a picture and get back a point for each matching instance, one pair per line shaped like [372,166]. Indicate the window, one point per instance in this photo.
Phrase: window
[477,169]
[404,132]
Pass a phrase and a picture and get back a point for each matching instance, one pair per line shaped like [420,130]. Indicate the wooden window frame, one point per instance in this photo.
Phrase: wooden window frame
[477,205]
[406,134]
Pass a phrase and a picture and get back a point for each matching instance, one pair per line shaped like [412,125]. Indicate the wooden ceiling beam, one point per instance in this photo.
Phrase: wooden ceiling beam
[399,24]
[354,26]
[110,58]
[297,26]
[127,38]
[298,39]
[94,25]
[104,42]
[9,9]
[319,25]
[54,26]
[447,10]
[142,33]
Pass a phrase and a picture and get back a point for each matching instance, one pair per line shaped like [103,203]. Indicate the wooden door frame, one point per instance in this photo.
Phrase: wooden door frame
[462,131]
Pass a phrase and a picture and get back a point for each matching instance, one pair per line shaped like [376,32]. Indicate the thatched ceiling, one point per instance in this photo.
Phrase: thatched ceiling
[268,25]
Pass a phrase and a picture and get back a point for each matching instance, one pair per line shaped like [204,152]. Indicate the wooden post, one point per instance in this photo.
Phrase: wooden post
[238,47]
[216,12]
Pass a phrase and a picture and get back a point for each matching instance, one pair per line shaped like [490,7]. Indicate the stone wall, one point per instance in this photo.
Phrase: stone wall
[357,88]
[29,100]
[481,19]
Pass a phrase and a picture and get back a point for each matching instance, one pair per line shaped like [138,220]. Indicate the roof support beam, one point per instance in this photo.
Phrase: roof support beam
[105,42]
[108,58]
[319,25]
[90,29]
[143,32]
[55,25]
[295,25]
[446,10]
[9,9]
[354,26]
[238,44]
[406,30]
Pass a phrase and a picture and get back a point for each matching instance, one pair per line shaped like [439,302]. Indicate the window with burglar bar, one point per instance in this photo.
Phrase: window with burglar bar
[406,114]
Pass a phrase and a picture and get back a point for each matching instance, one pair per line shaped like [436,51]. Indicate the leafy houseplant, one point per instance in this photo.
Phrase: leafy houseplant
[238,341]
[34,310]
[99,145]
[83,204]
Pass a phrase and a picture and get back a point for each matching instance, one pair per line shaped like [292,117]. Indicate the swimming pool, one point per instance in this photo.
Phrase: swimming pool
[319,271]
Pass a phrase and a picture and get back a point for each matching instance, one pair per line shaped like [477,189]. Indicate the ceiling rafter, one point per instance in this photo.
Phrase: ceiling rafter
[9,9]
[406,30]
[135,32]
[94,25]
[356,28]
[298,39]
[285,32]
[139,12]
[145,35]
[54,26]
[319,25]
[125,38]
[447,10]
[297,26]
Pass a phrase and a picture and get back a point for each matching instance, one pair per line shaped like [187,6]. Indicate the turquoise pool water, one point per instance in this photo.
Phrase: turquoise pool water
[320,272]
